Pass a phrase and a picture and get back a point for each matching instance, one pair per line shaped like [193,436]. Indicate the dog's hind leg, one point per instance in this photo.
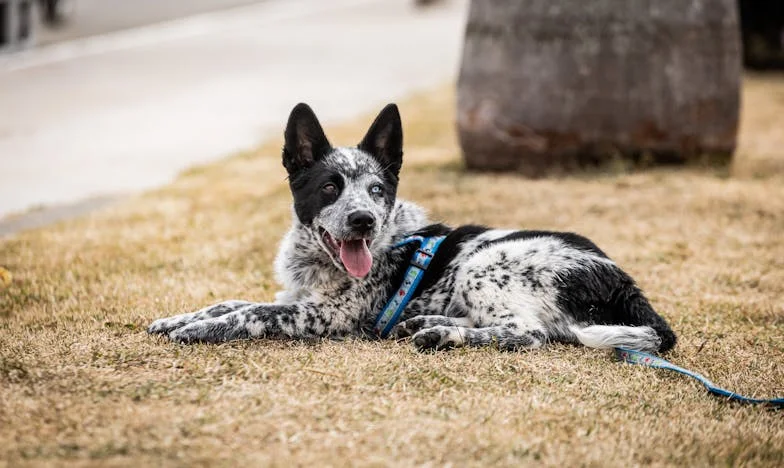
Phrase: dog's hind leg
[420,322]
[506,337]
[168,324]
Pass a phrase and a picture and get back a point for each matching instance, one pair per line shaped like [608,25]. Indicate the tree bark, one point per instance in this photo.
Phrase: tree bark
[548,86]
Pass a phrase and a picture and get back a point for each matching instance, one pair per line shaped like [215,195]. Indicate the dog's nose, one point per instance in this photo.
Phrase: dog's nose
[361,220]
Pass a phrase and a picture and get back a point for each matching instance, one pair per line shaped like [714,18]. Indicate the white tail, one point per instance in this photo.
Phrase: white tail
[611,336]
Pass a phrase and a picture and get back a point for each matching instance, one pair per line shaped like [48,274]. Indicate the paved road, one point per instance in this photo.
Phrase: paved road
[126,111]
[91,17]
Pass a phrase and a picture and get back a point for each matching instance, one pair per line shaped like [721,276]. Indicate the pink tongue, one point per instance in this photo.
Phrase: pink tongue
[356,257]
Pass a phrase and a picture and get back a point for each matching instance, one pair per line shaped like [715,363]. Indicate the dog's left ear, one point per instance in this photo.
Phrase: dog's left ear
[305,140]
[384,139]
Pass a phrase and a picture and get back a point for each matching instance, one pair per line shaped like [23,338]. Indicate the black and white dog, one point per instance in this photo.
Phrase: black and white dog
[342,260]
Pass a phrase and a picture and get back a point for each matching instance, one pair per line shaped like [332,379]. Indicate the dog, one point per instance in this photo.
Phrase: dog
[349,250]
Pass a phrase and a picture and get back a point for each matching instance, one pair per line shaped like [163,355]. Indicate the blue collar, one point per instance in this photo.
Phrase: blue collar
[390,314]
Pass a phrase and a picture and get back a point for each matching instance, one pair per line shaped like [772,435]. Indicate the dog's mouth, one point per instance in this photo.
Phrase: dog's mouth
[354,254]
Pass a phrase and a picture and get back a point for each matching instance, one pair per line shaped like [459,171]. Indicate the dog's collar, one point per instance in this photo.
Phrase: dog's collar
[390,314]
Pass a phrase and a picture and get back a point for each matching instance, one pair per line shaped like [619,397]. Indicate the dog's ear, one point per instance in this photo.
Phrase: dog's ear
[305,140]
[384,139]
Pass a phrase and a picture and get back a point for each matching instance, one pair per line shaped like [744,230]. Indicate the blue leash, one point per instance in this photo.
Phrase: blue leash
[644,359]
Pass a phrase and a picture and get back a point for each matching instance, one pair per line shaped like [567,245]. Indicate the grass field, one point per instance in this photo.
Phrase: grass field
[81,383]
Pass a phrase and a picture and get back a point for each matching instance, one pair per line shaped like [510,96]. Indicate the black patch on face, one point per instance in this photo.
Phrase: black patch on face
[307,190]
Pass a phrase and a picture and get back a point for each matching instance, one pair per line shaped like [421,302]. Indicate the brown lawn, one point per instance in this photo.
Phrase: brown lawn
[82,383]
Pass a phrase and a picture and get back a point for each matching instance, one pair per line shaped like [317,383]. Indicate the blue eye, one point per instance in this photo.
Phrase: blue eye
[376,189]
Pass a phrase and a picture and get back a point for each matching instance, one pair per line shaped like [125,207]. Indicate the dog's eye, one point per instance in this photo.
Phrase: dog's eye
[376,189]
[329,189]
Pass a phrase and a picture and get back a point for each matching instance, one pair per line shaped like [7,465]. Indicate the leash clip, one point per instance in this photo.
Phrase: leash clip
[415,259]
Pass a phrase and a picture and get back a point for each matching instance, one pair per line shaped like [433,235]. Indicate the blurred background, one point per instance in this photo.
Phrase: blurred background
[108,97]
[100,98]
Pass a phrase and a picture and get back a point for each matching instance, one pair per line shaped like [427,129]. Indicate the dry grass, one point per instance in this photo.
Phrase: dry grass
[80,381]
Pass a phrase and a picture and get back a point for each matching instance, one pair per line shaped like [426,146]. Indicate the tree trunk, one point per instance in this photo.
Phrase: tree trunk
[548,86]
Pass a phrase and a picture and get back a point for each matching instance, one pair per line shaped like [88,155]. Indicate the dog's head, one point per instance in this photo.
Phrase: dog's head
[345,195]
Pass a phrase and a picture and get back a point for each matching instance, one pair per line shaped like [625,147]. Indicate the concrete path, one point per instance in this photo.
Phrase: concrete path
[91,17]
[126,111]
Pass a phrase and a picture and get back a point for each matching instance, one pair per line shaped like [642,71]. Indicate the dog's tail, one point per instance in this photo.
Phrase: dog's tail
[642,330]
[611,336]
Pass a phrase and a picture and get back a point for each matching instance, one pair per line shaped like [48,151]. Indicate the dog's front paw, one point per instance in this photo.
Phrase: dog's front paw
[409,327]
[405,329]
[438,337]
[207,331]
[165,325]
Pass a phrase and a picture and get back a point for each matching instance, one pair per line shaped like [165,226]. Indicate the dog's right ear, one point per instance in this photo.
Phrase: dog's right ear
[305,140]
[384,139]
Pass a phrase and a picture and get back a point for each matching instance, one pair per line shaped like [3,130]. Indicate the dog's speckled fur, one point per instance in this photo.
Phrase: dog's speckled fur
[514,289]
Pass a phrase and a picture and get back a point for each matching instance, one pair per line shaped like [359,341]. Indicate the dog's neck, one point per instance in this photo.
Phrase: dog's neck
[303,266]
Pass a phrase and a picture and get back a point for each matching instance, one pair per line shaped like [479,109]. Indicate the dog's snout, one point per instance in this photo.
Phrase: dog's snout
[361,220]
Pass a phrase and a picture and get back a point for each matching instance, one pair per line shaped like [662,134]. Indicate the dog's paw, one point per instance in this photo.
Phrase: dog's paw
[193,333]
[165,325]
[406,328]
[207,331]
[438,337]
[409,327]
